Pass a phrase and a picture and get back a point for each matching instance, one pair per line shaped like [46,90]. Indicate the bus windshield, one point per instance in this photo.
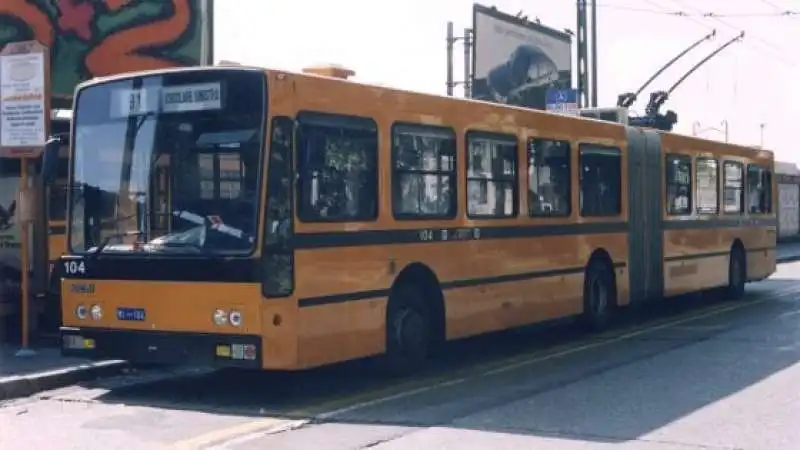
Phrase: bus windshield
[168,163]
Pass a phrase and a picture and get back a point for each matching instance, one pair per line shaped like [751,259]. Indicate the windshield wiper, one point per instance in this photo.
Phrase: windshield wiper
[108,239]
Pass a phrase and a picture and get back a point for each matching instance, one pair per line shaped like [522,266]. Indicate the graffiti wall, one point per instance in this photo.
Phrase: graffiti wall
[89,38]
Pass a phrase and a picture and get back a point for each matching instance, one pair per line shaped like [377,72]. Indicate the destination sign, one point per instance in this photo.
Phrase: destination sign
[171,99]
[193,97]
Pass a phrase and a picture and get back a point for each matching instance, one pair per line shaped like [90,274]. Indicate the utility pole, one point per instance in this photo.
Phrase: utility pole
[587,75]
[451,41]
[594,53]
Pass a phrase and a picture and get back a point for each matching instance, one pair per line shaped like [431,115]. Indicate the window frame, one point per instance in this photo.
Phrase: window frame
[276,247]
[669,157]
[716,186]
[514,180]
[332,120]
[742,202]
[528,166]
[395,179]
[620,158]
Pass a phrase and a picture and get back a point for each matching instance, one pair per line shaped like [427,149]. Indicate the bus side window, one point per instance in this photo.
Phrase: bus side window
[278,256]
[338,168]
[759,189]
[679,185]
[549,180]
[424,172]
[600,180]
[732,187]
[492,190]
[707,191]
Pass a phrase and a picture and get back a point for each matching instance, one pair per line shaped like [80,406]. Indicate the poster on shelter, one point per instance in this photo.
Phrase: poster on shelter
[9,227]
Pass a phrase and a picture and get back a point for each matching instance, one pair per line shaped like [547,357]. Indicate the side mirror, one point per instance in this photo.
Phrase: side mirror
[50,159]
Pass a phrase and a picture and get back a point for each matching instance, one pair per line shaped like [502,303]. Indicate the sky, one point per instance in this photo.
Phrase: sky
[402,44]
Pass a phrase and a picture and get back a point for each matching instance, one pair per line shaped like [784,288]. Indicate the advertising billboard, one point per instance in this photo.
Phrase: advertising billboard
[95,38]
[515,61]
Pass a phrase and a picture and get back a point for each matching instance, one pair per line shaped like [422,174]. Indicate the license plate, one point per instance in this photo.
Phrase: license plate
[131,314]
[78,343]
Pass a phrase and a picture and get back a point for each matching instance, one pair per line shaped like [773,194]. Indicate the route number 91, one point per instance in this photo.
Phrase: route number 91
[74,267]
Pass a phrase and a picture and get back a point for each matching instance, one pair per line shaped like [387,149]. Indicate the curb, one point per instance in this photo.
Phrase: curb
[788,259]
[25,385]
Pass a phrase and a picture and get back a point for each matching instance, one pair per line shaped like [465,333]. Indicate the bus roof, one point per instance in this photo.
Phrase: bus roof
[702,143]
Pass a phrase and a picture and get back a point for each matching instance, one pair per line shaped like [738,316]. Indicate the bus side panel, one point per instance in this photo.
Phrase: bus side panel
[644,193]
[697,256]
[761,243]
[488,285]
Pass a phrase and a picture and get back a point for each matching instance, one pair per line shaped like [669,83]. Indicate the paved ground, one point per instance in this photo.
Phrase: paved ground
[716,376]
[789,251]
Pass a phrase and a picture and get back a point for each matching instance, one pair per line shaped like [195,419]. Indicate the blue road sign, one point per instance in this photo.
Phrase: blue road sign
[562,100]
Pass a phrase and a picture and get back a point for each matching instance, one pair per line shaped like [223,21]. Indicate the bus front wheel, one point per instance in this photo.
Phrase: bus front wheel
[408,331]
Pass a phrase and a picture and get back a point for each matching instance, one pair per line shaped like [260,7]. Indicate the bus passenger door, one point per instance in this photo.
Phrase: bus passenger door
[278,254]
[644,221]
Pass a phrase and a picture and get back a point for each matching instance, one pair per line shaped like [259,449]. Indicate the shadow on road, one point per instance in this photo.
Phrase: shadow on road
[613,390]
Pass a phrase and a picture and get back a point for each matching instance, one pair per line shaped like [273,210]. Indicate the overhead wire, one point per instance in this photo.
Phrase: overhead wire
[779,9]
[710,14]
[687,17]
[779,56]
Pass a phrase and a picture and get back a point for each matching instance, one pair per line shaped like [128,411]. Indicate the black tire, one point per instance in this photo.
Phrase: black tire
[737,275]
[408,332]
[598,297]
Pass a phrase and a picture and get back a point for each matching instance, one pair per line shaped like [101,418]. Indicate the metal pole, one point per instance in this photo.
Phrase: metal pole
[594,53]
[450,41]
[582,84]
[695,128]
[761,126]
[468,62]
[725,129]
[24,233]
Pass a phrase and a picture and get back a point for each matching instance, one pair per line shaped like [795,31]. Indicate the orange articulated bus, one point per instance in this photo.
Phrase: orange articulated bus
[267,219]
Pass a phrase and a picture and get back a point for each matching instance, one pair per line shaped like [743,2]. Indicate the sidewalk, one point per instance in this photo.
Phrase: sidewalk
[788,252]
[22,376]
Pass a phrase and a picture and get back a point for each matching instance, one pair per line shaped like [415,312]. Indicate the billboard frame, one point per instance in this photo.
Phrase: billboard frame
[494,13]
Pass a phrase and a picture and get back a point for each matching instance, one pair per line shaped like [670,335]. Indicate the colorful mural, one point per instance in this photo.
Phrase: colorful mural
[89,38]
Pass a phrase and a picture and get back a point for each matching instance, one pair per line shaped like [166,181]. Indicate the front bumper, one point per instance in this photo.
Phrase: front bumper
[161,347]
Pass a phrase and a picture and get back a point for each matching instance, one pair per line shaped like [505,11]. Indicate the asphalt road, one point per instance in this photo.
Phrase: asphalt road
[698,375]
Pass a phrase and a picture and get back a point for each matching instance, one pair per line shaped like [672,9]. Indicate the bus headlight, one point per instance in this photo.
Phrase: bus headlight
[97,312]
[235,317]
[80,312]
[220,317]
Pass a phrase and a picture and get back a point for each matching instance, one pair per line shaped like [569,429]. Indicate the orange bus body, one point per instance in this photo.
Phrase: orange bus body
[665,232]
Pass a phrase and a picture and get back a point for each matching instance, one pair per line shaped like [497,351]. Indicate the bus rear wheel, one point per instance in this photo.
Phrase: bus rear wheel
[737,275]
[408,332]
[598,297]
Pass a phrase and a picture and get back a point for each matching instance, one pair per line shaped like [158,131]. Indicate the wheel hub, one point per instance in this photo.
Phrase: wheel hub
[409,330]
[599,296]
